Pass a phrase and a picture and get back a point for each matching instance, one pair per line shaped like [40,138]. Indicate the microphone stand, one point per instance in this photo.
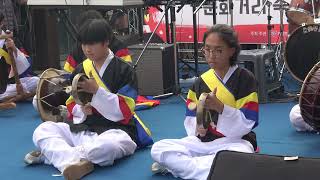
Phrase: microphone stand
[171,6]
[269,26]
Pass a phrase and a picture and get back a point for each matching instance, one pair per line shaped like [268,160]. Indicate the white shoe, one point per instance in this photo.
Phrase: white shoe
[34,157]
[158,168]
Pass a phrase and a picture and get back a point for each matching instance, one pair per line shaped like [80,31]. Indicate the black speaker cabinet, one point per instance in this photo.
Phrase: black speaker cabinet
[261,62]
[155,70]
[230,165]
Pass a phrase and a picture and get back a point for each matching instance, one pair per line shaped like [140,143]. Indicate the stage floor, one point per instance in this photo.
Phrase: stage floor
[275,136]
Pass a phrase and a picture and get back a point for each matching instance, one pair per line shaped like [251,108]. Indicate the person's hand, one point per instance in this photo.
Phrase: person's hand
[88,85]
[213,103]
[10,44]
[87,109]
[201,130]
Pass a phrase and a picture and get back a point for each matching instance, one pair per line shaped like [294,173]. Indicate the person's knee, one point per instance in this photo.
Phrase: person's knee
[35,79]
[32,84]
[157,149]
[45,127]
[244,147]
[297,120]
[104,152]
[295,115]
[43,130]
[294,121]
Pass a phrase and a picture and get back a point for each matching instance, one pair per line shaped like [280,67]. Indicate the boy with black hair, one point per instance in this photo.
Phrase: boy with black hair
[104,130]
[77,56]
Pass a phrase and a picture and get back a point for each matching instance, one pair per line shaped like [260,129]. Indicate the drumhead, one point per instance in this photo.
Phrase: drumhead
[299,16]
[309,100]
[302,50]
[49,96]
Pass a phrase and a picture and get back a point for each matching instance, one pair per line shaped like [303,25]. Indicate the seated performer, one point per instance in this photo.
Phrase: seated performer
[23,63]
[77,56]
[103,131]
[297,121]
[233,104]
[116,46]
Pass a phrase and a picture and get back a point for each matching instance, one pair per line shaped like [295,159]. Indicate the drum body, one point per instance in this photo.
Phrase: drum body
[302,50]
[310,98]
[301,11]
[51,94]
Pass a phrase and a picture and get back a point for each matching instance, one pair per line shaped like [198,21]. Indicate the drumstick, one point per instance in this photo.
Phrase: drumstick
[15,70]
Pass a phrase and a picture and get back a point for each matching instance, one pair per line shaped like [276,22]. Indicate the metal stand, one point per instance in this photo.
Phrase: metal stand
[154,31]
[281,22]
[280,54]
[174,42]
[269,26]
[214,12]
[170,5]
[230,5]
[200,6]
[167,25]
[195,42]
[214,18]
[195,10]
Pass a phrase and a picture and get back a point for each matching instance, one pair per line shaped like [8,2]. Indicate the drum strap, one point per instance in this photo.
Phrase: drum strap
[6,56]
[223,94]
[90,70]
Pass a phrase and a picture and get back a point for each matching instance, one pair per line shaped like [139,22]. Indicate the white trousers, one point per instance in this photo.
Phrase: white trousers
[297,121]
[189,158]
[61,147]
[29,84]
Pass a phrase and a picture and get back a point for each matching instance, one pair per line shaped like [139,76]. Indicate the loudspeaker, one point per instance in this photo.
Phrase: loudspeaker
[155,70]
[261,62]
[230,165]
